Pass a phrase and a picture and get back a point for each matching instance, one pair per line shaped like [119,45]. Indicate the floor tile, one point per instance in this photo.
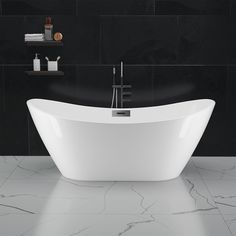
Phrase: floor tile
[41,168]
[3,178]
[38,200]
[216,168]
[219,175]
[53,197]
[231,222]
[36,186]
[9,163]
[113,225]
[7,166]
[224,195]
[178,197]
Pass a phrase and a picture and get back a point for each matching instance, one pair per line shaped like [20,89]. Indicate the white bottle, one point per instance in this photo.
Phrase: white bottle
[36,63]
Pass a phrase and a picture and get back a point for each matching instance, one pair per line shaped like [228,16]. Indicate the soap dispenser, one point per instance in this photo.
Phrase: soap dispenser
[36,63]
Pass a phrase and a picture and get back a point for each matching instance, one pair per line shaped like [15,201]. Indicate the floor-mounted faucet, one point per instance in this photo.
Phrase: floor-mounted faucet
[118,89]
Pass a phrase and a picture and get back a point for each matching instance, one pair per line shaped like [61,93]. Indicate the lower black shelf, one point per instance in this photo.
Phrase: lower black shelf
[44,73]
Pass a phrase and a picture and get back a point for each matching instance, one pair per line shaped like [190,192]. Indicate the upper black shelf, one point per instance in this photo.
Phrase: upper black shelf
[44,43]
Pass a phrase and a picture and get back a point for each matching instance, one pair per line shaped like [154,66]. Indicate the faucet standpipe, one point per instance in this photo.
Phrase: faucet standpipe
[120,86]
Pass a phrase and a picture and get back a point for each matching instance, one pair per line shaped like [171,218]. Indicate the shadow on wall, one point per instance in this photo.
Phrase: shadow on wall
[149,52]
[174,92]
[103,97]
[89,96]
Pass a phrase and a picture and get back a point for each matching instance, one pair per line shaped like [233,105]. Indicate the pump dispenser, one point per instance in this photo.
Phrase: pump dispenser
[36,63]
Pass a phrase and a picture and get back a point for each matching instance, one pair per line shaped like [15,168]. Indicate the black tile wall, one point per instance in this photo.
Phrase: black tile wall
[230,133]
[174,50]
[15,133]
[38,7]
[203,40]
[192,7]
[11,40]
[16,89]
[232,40]
[139,40]
[2,134]
[121,7]
[233,8]
[93,85]
[2,90]
[179,83]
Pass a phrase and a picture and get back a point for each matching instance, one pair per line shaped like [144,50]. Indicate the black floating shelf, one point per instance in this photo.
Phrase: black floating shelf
[44,73]
[44,43]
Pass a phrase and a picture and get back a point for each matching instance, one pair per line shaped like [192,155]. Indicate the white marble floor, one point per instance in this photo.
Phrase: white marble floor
[35,200]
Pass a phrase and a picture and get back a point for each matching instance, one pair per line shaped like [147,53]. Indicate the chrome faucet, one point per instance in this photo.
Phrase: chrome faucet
[120,87]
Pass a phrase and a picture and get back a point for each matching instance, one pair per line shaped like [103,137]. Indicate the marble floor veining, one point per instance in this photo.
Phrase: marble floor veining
[35,200]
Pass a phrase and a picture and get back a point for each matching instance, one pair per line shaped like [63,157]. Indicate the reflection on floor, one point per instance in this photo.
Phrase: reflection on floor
[35,200]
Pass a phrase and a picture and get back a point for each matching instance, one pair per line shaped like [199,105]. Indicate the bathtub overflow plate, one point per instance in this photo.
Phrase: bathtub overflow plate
[121,113]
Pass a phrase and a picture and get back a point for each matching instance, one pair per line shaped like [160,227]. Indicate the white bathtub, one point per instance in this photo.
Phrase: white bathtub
[154,143]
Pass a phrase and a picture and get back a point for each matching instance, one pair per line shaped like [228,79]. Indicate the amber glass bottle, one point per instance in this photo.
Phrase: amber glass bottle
[48,29]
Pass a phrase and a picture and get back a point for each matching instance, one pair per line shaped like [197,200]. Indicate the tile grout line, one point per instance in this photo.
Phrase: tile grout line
[4,88]
[77,9]
[228,88]
[204,182]
[4,182]
[155,6]
[153,86]
[1,11]
[100,45]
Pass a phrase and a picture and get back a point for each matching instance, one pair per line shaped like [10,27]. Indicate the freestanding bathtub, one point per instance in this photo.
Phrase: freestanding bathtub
[88,143]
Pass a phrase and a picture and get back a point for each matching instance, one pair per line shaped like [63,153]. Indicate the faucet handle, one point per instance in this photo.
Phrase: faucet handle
[127,86]
[127,93]
[124,86]
[127,100]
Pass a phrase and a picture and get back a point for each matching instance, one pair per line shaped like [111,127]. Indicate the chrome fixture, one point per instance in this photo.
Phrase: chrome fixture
[119,113]
[118,89]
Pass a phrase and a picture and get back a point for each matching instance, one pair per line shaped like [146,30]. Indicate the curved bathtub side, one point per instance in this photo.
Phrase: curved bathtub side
[121,152]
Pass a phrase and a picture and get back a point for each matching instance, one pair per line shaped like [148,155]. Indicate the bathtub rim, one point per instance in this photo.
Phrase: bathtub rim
[211,105]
